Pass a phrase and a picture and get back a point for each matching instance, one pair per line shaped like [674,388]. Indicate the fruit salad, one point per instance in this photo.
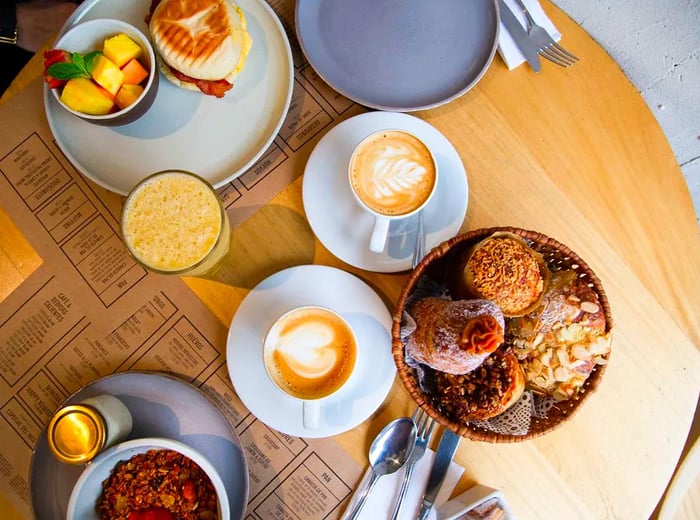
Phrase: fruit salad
[99,82]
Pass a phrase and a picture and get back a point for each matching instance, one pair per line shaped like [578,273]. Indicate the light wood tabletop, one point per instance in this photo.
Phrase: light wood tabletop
[575,154]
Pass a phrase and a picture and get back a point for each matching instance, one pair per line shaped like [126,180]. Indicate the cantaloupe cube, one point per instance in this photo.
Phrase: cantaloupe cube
[107,74]
[82,95]
[120,49]
[134,72]
[106,93]
[127,95]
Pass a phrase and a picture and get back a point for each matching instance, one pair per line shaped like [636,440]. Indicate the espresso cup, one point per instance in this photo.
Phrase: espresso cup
[310,353]
[393,175]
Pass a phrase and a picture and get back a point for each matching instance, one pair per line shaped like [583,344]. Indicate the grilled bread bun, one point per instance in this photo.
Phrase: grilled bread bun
[201,44]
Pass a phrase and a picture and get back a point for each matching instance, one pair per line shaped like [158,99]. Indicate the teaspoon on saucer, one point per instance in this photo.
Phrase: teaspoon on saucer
[419,248]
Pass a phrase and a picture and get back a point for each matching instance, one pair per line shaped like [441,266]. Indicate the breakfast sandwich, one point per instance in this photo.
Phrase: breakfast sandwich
[201,45]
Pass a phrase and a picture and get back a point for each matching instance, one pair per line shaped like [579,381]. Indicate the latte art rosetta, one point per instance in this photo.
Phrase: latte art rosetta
[392,172]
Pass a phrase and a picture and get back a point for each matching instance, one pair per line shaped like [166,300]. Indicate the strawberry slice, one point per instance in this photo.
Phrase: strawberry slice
[54,56]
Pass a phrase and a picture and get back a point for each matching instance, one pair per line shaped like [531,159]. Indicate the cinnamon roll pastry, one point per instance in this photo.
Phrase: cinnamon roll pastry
[454,336]
[483,393]
[502,268]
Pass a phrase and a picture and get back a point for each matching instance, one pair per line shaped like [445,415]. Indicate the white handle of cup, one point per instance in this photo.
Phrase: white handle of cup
[377,241]
[311,414]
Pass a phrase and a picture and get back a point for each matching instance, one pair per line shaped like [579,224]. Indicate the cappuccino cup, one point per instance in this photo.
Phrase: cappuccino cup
[393,175]
[310,353]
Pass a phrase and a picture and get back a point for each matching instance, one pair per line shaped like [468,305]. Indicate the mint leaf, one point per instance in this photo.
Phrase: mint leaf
[80,66]
[78,60]
[89,60]
[65,71]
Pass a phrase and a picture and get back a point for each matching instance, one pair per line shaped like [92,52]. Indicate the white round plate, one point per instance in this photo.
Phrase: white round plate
[344,228]
[216,138]
[337,290]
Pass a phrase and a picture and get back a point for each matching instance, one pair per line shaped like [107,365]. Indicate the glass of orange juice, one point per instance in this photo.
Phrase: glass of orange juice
[173,222]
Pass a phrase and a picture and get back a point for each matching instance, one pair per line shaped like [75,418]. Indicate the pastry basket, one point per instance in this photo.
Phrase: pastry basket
[436,266]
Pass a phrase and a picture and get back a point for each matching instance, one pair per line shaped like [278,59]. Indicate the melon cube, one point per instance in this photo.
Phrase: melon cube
[82,95]
[120,49]
[134,72]
[106,93]
[127,95]
[107,74]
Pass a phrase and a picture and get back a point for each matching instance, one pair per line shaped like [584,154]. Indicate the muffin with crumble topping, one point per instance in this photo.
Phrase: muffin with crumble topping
[502,268]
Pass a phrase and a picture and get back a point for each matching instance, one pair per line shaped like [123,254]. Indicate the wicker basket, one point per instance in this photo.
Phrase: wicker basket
[435,265]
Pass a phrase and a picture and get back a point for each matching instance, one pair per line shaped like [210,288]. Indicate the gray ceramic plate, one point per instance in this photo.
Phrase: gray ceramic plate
[399,55]
[161,406]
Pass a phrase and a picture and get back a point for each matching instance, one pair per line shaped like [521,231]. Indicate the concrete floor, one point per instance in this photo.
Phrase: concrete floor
[657,45]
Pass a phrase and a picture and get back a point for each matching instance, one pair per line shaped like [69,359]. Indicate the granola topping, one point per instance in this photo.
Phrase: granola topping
[482,393]
[162,482]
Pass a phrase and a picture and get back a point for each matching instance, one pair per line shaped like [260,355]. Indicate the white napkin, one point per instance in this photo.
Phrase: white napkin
[506,46]
[380,502]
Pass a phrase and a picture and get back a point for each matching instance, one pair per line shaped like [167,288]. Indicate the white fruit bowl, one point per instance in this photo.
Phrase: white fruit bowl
[90,36]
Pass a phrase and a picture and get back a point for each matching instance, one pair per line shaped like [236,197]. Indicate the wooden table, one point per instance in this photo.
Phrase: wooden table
[575,154]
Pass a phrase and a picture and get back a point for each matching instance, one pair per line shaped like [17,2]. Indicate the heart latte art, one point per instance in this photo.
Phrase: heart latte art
[310,352]
[392,172]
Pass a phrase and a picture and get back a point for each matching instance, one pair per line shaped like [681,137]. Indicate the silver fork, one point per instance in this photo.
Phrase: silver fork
[425,425]
[546,46]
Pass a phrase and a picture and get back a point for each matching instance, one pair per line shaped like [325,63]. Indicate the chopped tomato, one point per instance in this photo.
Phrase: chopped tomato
[188,492]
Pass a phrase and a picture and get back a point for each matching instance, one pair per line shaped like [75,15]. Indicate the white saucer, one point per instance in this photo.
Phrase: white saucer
[344,228]
[312,285]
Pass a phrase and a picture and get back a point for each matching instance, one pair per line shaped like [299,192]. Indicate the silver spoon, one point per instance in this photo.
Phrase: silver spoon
[389,452]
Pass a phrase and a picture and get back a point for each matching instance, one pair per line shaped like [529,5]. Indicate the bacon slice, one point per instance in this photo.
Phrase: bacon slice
[216,88]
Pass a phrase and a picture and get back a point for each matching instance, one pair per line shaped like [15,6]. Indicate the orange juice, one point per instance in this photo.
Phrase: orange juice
[174,223]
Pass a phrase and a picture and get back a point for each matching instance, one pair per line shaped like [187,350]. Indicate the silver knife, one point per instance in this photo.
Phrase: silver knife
[519,35]
[443,457]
